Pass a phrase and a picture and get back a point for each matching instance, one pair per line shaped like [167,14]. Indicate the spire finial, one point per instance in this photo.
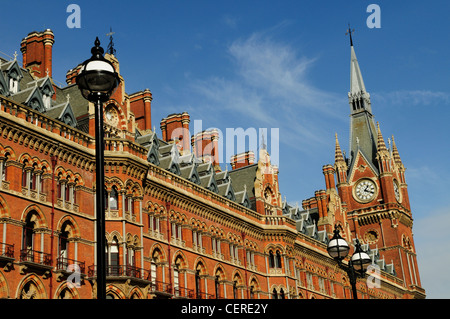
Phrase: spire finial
[263,142]
[349,32]
[110,48]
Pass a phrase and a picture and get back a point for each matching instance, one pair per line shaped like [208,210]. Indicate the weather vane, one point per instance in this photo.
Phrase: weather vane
[350,31]
[110,48]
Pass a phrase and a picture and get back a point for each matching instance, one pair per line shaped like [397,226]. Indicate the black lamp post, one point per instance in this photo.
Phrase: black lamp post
[97,80]
[338,249]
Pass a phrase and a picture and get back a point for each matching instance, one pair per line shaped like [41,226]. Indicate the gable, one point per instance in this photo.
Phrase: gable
[14,71]
[35,101]
[361,167]
[67,116]
[47,87]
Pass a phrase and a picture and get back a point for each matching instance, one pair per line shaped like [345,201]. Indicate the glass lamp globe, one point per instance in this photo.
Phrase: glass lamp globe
[337,247]
[360,259]
[97,78]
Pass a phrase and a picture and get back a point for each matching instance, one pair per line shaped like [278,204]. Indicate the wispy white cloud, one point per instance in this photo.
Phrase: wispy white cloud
[270,87]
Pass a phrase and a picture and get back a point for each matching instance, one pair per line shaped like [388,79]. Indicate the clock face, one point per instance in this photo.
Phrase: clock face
[111,116]
[396,191]
[365,190]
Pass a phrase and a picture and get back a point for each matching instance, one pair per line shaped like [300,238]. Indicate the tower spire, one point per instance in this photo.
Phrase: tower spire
[363,134]
[356,79]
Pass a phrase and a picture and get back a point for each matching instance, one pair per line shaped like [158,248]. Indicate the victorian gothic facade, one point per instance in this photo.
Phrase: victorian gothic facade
[178,225]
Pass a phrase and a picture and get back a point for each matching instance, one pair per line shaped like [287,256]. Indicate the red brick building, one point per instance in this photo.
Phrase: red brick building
[178,226]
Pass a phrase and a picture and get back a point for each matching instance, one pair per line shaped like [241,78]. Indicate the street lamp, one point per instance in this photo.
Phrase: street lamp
[338,249]
[97,80]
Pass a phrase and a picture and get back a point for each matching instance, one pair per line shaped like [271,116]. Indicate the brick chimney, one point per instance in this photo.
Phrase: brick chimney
[71,75]
[175,128]
[242,159]
[205,146]
[36,50]
[141,106]
[328,172]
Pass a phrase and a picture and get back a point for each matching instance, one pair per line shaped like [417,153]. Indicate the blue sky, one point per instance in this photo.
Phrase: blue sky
[283,64]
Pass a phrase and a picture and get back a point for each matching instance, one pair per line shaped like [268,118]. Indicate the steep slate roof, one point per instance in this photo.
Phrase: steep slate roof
[244,179]
[306,221]
[31,92]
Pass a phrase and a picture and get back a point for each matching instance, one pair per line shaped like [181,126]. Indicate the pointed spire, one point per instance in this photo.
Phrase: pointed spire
[338,153]
[395,153]
[381,146]
[356,79]
[363,133]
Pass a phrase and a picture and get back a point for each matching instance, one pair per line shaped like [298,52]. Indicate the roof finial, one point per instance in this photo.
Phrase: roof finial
[263,141]
[110,48]
[350,31]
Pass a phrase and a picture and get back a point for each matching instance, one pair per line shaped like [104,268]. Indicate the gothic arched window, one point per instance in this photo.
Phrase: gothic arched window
[114,198]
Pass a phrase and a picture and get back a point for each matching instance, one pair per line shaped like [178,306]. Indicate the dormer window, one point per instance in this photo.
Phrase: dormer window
[47,100]
[13,85]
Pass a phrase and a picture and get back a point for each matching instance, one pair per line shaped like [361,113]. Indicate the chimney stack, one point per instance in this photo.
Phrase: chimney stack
[141,106]
[205,146]
[36,50]
[175,128]
[242,159]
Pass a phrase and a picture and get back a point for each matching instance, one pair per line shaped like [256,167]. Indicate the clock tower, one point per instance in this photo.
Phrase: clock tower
[371,183]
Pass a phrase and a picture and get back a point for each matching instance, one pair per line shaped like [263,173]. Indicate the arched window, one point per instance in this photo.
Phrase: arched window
[113,262]
[3,167]
[74,191]
[114,198]
[28,233]
[30,291]
[271,259]
[253,288]
[278,260]
[235,290]
[27,175]
[153,270]
[217,286]
[176,280]
[59,187]
[282,294]
[64,245]
[198,284]
[274,294]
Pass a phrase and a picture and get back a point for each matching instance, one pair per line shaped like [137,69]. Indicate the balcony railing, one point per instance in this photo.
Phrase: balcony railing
[159,286]
[6,250]
[34,256]
[182,292]
[203,295]
[67,264]
[121,270]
